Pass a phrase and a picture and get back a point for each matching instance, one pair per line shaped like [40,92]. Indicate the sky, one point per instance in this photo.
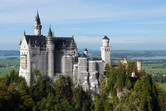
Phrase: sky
[129,24]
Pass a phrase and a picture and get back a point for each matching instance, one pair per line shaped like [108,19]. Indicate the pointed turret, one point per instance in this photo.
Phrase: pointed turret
[50,32]
[24,33]
[38,19]
[37,26]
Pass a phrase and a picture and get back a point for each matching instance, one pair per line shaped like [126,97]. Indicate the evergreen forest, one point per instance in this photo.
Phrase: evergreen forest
[119,92]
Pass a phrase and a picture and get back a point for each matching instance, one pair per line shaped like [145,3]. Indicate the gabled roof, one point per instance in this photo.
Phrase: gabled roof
[59,42]
[64,42]
[36,40]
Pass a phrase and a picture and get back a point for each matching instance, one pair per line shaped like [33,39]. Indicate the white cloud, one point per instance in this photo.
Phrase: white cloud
[69,11]
[151,22]
[159,28]
[20,13]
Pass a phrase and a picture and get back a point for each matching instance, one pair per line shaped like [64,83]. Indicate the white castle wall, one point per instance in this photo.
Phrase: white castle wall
[92,66]
[93,76]
[82,70]
[67,64]
[75,73]
[24,59]
[100,66]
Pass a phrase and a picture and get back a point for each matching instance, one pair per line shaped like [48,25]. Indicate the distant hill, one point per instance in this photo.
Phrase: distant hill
[97,53]
[9,52]
[128,53]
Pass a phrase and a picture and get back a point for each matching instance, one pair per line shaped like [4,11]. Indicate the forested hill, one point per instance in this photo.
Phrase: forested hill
[119,92]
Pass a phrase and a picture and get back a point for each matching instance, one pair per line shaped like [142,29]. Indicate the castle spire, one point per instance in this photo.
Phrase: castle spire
[50,32]
[24,33]
[37,26]
[37,19]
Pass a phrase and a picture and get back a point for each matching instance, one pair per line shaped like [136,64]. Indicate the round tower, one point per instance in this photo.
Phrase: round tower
[37,26]
[105,50]
[50,50]
[105,41]
[139,65]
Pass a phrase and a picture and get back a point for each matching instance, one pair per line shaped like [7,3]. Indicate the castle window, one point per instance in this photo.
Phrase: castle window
[23,61]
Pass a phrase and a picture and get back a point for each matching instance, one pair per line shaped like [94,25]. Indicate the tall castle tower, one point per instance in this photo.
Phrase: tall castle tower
[50,50]
[37,26]
[105,50]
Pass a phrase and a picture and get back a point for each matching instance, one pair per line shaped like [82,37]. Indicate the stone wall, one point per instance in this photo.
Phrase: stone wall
[64,61]
[82,70]
[39,60]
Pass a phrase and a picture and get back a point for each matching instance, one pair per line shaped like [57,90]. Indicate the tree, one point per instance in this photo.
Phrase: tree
[131,67]
[144,88]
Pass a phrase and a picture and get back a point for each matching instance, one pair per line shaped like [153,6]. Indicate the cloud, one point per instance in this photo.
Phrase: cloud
[158,28]
[95,42]
[152,22]
[17,15]
[130,35]
[70,11]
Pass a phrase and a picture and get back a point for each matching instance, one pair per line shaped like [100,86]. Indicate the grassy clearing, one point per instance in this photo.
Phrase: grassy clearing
[6,71]
[14,62]
[154,66]
[163,86]
[155,71]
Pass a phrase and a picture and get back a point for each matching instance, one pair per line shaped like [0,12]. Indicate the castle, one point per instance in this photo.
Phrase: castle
[55,56]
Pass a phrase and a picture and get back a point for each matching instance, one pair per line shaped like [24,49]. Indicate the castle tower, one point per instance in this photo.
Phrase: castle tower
[105,50]
[37,26]
[50,50]
[86,52]
[139,65]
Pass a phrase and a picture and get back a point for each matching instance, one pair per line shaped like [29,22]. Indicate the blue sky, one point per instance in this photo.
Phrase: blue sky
[130,24]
